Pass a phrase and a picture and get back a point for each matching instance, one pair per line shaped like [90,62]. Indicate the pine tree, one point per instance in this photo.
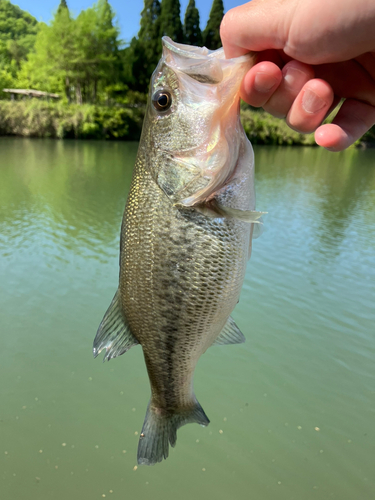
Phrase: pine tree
[63,5]
[211,34]
[144,52]
[192,31]
[150,22]
[148,36]
[170,20]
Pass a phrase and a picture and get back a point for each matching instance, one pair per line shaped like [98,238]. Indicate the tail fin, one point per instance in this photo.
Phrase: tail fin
[160,430]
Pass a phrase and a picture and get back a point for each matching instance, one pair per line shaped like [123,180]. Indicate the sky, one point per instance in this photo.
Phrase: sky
[128,12]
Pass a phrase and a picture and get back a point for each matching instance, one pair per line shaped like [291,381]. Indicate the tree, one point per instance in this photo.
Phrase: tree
[211,34]
[18,30]
[6,81]
[149,33]
[97,37]
[170,20]
[143,53]
[76,55]
[192,31]
[63,5]
[51,66]
[150,22]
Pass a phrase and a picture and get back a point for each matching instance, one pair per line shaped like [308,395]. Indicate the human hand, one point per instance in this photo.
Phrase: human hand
[310,56]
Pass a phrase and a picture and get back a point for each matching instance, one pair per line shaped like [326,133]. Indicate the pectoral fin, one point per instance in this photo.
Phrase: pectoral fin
[113,333]
[230,334]
[215,210]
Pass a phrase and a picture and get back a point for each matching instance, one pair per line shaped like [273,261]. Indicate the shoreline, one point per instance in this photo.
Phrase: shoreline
[41,119]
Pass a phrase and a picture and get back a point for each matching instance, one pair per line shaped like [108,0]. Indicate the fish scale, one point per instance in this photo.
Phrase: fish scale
[182,261]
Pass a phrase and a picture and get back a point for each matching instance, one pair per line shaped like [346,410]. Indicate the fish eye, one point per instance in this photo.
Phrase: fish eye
[162,100]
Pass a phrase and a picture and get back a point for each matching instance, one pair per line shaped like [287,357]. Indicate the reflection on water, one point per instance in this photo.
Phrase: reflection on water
[291,411]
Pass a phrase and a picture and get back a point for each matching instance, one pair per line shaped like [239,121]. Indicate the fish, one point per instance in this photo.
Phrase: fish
[186,235]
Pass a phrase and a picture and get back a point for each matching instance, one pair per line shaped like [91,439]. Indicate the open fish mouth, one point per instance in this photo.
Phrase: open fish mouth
[202,64]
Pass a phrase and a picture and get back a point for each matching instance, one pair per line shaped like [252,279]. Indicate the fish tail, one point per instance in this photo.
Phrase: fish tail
[160,430]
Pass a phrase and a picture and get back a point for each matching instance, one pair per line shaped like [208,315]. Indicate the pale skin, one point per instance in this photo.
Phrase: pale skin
[311,54]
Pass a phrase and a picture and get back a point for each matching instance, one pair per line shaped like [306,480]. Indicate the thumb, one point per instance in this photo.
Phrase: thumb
[256,26]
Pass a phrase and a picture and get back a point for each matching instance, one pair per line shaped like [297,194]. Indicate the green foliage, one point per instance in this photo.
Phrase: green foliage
[33,118]
[63,5]
[50,65]
[18,30]
[75,56]
[192,30]
[368,138]
[211,33]
[81,59]
[6,82]
[150,23]
[97,50]
[143,54]
[262,128]
[170,20]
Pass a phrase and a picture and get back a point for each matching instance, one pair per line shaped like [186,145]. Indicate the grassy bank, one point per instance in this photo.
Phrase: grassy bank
[262,128]
[32,118]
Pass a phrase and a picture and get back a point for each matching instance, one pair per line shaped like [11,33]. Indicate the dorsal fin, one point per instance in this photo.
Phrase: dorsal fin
[230,334]
[113,333]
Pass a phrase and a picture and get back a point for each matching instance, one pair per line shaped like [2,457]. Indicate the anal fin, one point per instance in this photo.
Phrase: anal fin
[113,333]
[230,334]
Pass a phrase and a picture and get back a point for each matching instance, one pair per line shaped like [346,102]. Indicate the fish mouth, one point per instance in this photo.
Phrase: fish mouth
[205,75]
[205,65]
[193,52]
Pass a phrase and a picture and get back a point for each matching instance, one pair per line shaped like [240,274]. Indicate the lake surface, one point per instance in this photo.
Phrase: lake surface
[292,410]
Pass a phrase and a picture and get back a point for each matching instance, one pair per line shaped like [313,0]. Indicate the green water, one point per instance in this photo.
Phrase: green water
[292,411]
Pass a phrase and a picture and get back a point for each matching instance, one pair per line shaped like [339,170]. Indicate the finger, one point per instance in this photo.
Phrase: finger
[351,79]
[276,56]
[260,82]
[353,120]
[295,75]
[310,106]
[251,27]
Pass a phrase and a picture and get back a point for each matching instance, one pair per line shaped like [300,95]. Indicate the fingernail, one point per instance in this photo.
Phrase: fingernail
[293,77]
[311,102]
[263,82]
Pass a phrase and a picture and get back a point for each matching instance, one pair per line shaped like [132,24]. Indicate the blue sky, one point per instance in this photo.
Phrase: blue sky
[128,12]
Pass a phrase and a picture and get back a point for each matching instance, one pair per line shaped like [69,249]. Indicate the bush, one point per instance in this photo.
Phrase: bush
[32,118]
[262,128]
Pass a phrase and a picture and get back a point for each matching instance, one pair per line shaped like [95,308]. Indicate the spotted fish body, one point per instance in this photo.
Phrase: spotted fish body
[186,235]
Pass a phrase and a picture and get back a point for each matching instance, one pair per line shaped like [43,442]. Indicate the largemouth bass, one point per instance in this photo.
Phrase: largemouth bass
[186,235]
